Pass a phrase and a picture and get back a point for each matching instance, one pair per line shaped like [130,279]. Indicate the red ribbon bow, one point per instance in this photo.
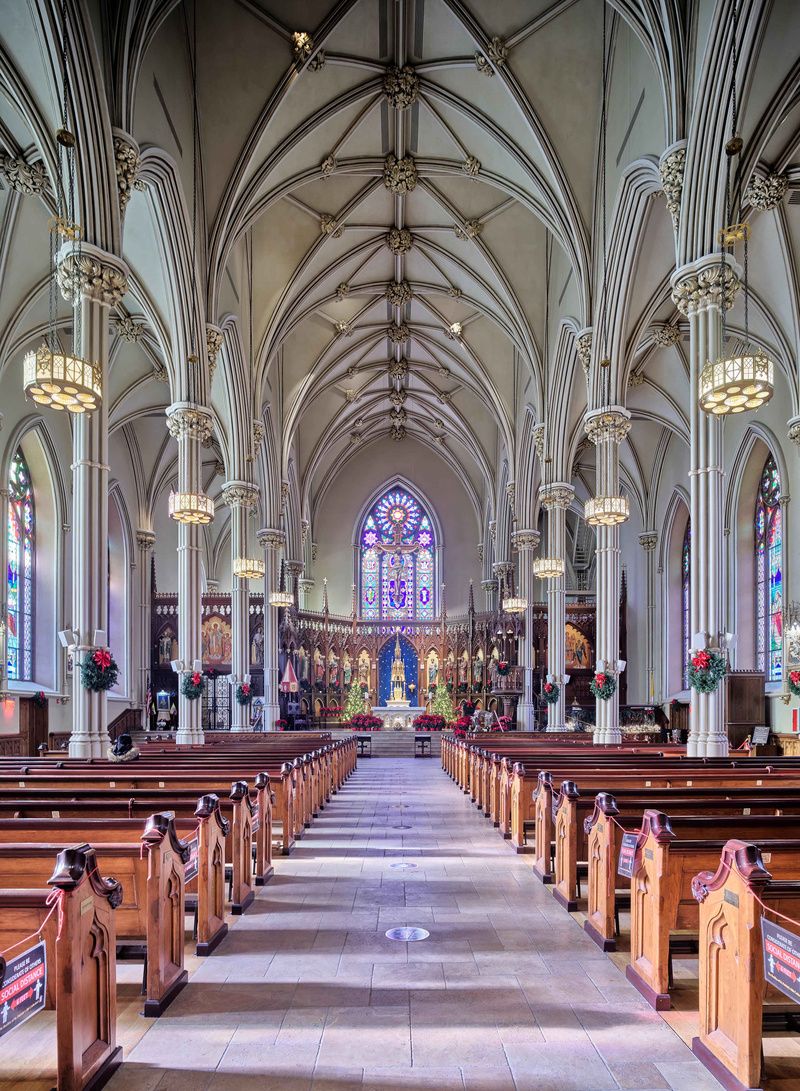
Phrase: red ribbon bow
[548,687]
[102,658]
[246,689]
[600,679]
[197,678]
[701,661]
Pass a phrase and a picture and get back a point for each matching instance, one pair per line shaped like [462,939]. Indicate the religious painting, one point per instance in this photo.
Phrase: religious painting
[578,649]
[167,646]
[216,641]
[257,647]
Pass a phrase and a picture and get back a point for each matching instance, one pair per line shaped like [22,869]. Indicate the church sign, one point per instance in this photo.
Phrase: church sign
[781,959]
[192,865]
[627,855]
[23,987]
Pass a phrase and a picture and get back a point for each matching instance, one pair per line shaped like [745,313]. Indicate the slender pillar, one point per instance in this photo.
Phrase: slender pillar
[241,497]
[697,291]
[145,540]
[525,543]
[607,428]
[306,587]
[648,541]
[99,281]
[556,499]
[190,425]
[272,542]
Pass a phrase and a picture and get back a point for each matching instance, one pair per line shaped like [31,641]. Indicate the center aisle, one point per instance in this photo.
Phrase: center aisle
[307,992]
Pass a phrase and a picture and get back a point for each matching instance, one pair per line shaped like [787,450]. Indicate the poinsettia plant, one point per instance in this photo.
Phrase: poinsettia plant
[99,670]
[192,685]
[281,725]
[794,683]
[426,722]
[550,693]
[40,699]
[503,667]
[461,727]
[365,722]
[707,668]
[244,693]
[603,686]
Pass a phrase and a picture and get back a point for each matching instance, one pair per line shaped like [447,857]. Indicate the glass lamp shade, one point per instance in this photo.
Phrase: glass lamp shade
[61,381]
[281,599]
[191,507]
[548,568]
[248,568]
[606,511]
[734,384]
[515,604]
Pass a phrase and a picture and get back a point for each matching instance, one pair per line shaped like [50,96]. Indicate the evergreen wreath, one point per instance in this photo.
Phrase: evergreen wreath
[244,693]
[551,693]
[503,667]
[99,671]
[603,686]
[794,683]
[706,670]
[192,685]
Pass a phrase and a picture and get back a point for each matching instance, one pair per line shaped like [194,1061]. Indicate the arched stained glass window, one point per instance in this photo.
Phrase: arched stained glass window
[397,560]
[686,571]
[769,574]
[20,531]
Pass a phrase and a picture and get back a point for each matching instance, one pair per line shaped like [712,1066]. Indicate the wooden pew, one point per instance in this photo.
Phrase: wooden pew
[152,905]
[732,984]
[662,899]
[81,933]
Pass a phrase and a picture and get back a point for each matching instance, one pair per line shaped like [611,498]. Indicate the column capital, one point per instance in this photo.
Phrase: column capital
[269,538]
[29,179]
[766,192]
[525,539]
[145,539]
[649,540]
[711,281]
[92,272]
[558,495]
[502,569]
[243,494]
[610,423]
[294,568]
[794,430]
[187,420]
[488,585]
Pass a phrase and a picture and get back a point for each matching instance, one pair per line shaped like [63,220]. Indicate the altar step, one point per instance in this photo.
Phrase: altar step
[400,744]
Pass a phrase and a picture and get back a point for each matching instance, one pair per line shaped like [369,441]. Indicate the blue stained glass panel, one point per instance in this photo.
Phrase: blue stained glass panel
[398,559]
[19,574]
[768,531]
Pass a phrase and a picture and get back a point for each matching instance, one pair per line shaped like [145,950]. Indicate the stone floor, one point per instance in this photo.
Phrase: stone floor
[308,993]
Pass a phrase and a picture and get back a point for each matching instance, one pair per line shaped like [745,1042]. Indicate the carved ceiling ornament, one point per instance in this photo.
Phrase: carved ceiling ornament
[398,369]
[495,57]
[344,329]
[401,86]
[30,179]
[470,229]
[666,336]
[471,166]
[399,175]
[160,372]
[214,338]
[583,346]
[766,193]
[710,286]
[127,328]
[537,432]
[350,395]
[648,541]
[127,162]
[328,166]
[302,45]
[317,62]
[398,333]
[398,432]
[342,290]
[399,240]
[636,378]
[671,168]
[398,416]
[398,292]
[398,397]
[91,273]
[257,436]
[329,226]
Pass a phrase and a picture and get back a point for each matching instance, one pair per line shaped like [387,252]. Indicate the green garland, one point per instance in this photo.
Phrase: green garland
[706,670]
[192,686]
[244,693]
[603,686]
[551,695]
[99,671]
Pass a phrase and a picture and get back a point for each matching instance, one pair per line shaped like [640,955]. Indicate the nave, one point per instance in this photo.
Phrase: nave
[507,992]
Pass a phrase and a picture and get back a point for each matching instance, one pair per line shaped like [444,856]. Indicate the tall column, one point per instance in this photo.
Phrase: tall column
[272,542]
[99,280]
[697,291]
[648,541]
[145,540]
[190,425]
[294,570]
[556,499]
[525,543]
[306,587]
[607,428]
[241,497]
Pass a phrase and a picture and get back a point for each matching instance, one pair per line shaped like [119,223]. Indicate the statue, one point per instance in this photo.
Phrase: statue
[399,698]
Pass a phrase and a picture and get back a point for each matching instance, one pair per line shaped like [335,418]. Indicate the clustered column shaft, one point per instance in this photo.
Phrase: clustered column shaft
[272,542]
[556,500]
[241,497]
[525,542]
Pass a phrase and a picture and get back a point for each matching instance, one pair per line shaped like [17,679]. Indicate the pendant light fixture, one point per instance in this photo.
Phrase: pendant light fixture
[548,568]
[281,599]
[606,507]
[513,603]
[52,376]
[744,379]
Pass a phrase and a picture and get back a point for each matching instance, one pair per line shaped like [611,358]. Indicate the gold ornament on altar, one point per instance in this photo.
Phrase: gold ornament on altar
[399,698]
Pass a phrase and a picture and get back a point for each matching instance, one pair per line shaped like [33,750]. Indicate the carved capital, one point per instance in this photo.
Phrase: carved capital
[710,282]
[294,568]
[398,292]
[187,421]
[127,328]
[399,240]
[399,175]
[766,193]
[606,425]
[493,529]
[537,432]
[145,539]
[583,347]
[92,273]
[126,164]
[214,338]
[557,495]
[525,539]
[649,540]
[270,538]
[671,168]
[258,433]
[665,336]
[240,494]
[794,430]
[401,86]
[29,179]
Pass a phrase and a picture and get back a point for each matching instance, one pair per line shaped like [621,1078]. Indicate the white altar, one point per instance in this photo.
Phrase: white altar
[398,719]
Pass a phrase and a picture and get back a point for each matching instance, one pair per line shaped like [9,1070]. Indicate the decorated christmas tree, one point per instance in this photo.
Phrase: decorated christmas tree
[442,704]
[354,703]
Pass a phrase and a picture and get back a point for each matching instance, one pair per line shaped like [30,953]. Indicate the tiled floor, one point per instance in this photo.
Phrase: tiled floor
[307,992]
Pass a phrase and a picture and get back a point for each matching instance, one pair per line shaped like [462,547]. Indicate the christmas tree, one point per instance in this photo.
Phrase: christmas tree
[354,705]
[442,704]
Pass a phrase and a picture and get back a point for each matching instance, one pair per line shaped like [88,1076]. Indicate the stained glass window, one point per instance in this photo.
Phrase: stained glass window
[686,569]
[20,532]
[769,574]
[398,560]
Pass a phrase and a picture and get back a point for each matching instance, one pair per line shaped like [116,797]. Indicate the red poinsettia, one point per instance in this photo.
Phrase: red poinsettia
[102,658]
[794,677]
[600,679]
[701,661]
[197,678]
[548,687]
[246,689]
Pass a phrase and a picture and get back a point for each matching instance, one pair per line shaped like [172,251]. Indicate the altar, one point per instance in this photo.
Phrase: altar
[398,719]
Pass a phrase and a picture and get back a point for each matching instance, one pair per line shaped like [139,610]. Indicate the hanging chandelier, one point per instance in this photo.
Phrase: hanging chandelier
[548,568]
[51,375]
[281,599]
[606,511]
[248,568]
[515,604]
[745,378]
[193,508]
